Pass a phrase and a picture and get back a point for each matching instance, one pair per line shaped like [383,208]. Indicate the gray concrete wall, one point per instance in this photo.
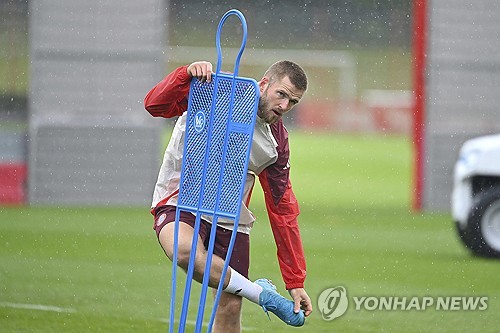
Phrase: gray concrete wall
[463,88]
[91,141]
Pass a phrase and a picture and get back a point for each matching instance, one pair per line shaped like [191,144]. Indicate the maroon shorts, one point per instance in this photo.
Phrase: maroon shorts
[240,258]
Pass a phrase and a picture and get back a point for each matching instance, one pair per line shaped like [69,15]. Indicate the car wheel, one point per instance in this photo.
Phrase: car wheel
[482,232]
[462,233]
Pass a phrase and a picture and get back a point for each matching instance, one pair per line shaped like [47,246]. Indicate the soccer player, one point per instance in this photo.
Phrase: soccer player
[281,88]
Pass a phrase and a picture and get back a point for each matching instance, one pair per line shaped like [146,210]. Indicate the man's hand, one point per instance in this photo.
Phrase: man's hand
[202,70]
[301,300]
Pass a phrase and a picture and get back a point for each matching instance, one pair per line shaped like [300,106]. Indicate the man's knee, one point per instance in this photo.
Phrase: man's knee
[183,256]
[166,238]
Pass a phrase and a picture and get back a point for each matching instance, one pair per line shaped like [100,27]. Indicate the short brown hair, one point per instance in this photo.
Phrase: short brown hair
[283,68]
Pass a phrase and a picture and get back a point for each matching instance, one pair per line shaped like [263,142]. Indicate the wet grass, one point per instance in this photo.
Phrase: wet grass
[103,268]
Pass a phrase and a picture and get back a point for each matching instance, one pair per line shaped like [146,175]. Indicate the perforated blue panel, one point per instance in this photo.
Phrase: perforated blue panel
[219,129]
[217,144]
[194,151]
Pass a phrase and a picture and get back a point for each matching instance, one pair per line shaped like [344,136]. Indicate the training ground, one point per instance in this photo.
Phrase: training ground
[65,269]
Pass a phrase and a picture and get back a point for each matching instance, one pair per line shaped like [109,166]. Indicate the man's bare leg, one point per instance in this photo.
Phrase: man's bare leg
[228,315]
[166,238]
[233,282]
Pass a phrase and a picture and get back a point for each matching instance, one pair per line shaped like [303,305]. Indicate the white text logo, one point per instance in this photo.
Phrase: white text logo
[199,121]
[333,303]
[446,303]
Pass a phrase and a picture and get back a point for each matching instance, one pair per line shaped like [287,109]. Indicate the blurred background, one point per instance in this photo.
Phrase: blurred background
[71,72]
[78,73]
[395,88]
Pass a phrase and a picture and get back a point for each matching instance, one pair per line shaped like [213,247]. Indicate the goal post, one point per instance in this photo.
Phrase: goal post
[419,52]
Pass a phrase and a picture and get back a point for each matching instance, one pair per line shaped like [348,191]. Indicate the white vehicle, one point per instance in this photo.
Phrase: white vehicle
[476,195]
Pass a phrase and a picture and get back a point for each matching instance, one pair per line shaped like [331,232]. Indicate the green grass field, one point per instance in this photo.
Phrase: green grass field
[103,270]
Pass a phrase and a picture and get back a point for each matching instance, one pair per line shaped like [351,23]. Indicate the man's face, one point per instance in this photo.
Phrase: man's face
[277,98]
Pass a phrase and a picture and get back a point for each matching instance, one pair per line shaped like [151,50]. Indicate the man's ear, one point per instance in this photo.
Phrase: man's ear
[263,83]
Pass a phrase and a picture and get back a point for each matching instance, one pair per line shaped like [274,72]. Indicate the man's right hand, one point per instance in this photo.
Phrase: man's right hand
[202,70]
[301,300]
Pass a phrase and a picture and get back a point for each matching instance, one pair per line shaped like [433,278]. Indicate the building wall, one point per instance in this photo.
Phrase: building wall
[462,90]
[90,139]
